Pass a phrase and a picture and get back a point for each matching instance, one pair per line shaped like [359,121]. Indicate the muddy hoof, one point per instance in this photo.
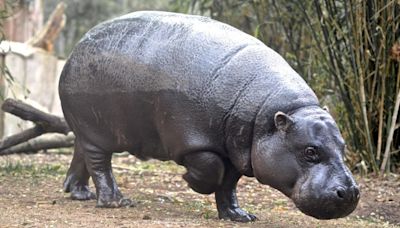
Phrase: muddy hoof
[82,193]
[123,202]
[237,215]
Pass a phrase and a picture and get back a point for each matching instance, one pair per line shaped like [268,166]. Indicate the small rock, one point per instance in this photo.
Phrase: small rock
[146,217]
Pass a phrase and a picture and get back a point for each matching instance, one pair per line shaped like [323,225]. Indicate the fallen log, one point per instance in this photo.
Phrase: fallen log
[49,123]
[44,142]
[44,123]
[20,137]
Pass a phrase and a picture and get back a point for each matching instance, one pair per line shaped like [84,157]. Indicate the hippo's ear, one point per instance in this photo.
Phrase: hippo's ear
[283,121]
[326,108]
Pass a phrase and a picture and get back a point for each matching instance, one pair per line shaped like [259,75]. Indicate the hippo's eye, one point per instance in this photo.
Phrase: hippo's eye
[311,154]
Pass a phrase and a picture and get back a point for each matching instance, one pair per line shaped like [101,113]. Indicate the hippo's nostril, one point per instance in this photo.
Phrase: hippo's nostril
[340,193]
[356,192]
[349,194]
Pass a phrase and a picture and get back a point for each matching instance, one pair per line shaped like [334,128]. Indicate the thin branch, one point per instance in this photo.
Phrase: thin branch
[391,132]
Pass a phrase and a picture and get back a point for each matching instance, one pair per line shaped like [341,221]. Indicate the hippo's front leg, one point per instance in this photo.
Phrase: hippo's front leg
[99,166]
[225,196]
[208,173]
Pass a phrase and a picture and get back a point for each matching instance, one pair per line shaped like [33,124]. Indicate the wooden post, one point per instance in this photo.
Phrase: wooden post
[47,35]
[25,20]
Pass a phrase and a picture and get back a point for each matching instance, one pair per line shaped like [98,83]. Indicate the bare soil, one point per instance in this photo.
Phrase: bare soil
[31,196]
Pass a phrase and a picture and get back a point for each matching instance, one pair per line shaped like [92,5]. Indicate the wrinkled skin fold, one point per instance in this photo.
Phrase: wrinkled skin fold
[209,97]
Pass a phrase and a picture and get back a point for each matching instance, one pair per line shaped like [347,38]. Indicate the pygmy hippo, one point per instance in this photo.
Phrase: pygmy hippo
[208,97]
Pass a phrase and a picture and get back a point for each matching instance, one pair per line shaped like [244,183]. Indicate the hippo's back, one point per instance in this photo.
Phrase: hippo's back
[174,51]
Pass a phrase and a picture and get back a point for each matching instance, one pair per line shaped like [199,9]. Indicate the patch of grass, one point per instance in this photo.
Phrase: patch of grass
[208,214]
[140,167]
[159,166]
[372,219]
[249,208]
[18,169]
[62,151]
[204,207]
[280,202]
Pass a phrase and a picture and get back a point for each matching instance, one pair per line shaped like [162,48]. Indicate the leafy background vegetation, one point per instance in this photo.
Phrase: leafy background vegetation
[348,51]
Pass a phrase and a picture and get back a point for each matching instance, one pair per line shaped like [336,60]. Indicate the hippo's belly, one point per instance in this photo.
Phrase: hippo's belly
[162,124]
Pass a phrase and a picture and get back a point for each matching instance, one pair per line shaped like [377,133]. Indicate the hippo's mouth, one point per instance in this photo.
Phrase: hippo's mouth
[324,204]
[325,209]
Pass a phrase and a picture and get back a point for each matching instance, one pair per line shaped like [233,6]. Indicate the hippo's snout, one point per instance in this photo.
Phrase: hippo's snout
[337,202]
[340,202]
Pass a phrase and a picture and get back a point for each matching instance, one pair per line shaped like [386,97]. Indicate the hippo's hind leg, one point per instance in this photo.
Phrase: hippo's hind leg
[77,181]
[207,173]
[98,163]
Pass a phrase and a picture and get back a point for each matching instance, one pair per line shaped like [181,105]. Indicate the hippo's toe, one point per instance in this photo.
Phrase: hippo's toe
[122,202]
[237,215]
[82,193]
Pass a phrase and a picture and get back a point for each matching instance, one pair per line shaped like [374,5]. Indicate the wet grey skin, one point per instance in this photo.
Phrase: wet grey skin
[209,97]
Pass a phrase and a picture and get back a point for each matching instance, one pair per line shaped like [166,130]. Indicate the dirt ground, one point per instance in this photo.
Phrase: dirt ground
[31,196]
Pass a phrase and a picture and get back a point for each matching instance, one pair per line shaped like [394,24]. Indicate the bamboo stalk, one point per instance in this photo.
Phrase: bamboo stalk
[380,127]
[391,132]
[360,73]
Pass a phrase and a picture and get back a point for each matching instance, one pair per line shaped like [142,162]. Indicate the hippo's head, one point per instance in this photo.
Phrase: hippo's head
[303,158]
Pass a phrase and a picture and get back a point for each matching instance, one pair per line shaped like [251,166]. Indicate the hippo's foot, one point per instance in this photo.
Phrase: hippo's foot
[79,191]
[119,202]
[82,193]
[237,215]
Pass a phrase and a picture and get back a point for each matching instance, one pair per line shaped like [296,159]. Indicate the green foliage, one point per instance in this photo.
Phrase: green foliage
[180,6]
[356,38]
